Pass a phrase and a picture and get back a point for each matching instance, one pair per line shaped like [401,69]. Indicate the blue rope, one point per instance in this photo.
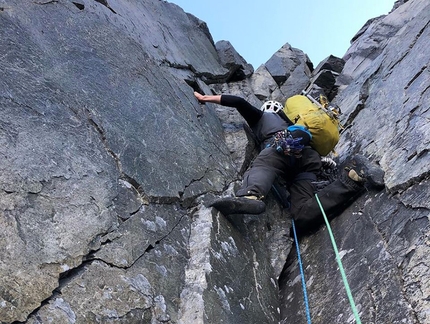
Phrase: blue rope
[302,275]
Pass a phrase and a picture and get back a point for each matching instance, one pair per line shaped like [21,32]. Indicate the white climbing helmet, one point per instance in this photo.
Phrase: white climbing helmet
[271,106]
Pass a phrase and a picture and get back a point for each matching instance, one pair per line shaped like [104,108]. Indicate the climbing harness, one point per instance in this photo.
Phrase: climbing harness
[284,143]
[302,275]
[339,262]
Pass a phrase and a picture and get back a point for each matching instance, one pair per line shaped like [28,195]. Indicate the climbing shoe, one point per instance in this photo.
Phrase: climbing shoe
[354,176]
[239,205]
[362,170]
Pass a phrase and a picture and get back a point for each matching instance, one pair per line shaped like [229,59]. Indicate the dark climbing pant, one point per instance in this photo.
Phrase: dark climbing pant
[301,173]
[270,164]
[334,198]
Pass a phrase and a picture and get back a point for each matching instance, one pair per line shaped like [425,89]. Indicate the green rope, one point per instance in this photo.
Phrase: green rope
[339,262]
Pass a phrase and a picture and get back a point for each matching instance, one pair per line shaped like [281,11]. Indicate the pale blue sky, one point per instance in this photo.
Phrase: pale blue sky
[258,28]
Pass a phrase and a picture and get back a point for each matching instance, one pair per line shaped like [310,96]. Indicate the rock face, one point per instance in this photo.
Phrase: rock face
[383,237]
[107,161]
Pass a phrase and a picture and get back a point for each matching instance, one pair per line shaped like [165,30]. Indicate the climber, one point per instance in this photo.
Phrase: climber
[298,166]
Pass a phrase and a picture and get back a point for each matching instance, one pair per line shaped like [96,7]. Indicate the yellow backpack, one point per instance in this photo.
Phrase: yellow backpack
[322,123]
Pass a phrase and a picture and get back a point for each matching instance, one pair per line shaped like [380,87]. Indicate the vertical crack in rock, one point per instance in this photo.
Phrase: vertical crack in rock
[144,198]
[377,226]
[258,287]
[21,234]
[406,285]
[100,130]
[192,304]
[374,305]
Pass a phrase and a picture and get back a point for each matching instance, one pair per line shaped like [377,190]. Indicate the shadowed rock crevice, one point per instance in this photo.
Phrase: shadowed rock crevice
[401,187]
[45,2]
[80,6]
[106,4]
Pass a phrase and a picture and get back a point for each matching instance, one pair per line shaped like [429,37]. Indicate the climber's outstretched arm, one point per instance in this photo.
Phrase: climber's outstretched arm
[208,98]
